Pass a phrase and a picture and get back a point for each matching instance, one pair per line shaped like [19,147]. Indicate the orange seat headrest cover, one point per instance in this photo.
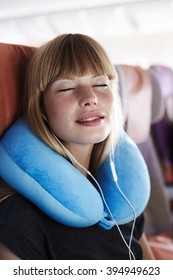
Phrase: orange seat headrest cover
[13,63]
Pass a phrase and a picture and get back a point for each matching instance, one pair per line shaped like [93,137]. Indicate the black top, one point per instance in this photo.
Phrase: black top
[32,235]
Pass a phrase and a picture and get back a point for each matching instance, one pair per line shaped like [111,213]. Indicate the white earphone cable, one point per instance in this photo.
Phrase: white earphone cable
[131,254]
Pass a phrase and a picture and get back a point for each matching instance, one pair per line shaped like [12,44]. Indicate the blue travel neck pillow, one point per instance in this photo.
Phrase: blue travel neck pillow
[61,191]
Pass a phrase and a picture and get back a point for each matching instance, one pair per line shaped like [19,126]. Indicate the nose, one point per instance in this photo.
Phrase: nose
[88,97]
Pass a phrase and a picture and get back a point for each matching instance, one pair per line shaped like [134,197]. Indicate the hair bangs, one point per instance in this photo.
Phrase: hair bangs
[79,55]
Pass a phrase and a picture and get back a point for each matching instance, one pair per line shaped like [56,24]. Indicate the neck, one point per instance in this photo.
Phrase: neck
[82,154]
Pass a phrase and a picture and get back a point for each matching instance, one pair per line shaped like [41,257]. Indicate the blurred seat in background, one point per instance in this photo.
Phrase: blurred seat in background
[162,131]
[145,107]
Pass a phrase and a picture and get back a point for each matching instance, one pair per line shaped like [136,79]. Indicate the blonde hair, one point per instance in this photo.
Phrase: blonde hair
[68,55]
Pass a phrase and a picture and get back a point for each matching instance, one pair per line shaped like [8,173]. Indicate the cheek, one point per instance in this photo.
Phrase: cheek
[59,109]
[53,108]
[57,114]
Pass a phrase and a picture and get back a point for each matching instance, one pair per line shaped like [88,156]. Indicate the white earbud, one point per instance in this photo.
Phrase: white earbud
[44,118]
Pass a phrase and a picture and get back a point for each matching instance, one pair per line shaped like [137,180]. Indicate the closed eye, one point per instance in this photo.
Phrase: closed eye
[65,89]
[101,85]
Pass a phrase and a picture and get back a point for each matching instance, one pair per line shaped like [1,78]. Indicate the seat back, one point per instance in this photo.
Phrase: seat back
[13,63]
[145,106]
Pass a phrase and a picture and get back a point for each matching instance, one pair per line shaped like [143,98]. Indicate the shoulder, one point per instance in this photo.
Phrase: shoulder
[16,208]
[22,216]
[22,227]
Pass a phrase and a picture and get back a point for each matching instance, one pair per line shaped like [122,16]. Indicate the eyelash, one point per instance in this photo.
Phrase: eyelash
[65,89]
[101,85]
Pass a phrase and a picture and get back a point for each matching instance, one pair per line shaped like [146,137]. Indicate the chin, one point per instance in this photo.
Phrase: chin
[95,140]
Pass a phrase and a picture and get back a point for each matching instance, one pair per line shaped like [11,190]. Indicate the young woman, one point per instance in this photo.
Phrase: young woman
[71,102]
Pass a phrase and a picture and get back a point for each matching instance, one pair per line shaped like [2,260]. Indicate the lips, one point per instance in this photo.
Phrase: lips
[91,118]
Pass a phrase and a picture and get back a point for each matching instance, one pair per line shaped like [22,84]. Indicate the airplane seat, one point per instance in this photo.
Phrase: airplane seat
[122,88]
[13,62]
[162,131]
[145,107]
